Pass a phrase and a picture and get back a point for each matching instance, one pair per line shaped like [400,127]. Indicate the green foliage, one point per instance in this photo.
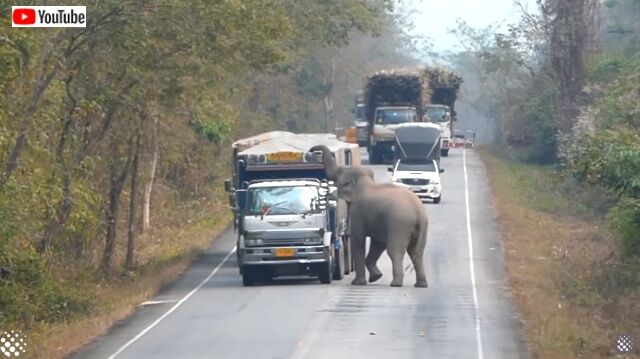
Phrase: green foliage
[531,131]
[625,220]
[184,78]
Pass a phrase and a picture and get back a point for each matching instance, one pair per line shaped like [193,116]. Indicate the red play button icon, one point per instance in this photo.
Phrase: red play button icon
[24,16]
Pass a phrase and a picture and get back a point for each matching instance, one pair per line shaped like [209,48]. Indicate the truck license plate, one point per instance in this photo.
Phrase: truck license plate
[416,189]
[285,252]
[284,157]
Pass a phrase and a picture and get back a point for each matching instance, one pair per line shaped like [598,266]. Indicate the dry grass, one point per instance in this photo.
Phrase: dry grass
[162,257]
[556,262]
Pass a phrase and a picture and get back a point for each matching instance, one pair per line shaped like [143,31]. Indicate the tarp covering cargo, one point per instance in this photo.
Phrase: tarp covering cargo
[417,141]
[298,143]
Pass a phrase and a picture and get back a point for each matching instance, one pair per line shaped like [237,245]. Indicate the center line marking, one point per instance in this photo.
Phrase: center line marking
[184,299]
[471,266]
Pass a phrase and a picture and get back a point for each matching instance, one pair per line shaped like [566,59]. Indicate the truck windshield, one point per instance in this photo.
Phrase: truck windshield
[360,112]
[436,114]
[282,200]
[390,116]
[416,166]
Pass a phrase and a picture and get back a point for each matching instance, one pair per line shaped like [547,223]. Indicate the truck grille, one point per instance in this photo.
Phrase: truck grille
[283,242]
[415,181]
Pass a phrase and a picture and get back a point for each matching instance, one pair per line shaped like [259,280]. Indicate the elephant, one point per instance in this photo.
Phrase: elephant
[392,216]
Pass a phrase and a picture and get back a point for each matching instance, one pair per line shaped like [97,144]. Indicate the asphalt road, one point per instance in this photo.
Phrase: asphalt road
[465,312]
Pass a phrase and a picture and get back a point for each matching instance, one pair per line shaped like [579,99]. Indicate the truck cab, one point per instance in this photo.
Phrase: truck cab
[270,160]
[441,116]
[286,229]
[382,137]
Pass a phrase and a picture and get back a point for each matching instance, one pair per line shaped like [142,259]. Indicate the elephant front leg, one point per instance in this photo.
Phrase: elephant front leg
[358,250]
[375,251]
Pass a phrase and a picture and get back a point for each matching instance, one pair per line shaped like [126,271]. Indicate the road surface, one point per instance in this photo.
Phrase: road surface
[465,312]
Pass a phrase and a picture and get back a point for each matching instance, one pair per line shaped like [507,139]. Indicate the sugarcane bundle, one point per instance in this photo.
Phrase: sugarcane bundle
[402,87]
[444,84]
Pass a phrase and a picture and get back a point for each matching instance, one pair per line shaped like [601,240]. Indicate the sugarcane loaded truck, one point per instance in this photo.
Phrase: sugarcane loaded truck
[404,96]
[391,98]
[444,85]
[288,218]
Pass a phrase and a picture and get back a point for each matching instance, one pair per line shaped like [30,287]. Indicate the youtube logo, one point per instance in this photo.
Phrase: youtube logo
[49,16]
[24,16]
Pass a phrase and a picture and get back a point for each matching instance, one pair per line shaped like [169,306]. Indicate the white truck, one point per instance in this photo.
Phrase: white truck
[440,115]
[288,219]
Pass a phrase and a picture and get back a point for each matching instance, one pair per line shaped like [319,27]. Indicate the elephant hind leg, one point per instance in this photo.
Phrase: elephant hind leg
[396,253]
[416,253]
[375,251]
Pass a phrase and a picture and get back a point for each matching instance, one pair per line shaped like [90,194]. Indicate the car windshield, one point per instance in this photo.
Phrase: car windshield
[416,166]
[282,200]
[395,116]
[436,114]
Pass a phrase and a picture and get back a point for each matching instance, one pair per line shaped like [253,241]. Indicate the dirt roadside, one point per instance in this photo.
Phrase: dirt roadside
[557,266]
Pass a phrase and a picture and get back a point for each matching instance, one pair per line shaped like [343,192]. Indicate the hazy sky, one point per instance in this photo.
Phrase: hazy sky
[433,18]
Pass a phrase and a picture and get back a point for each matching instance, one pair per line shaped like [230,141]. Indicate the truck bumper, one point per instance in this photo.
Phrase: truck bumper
[306,260]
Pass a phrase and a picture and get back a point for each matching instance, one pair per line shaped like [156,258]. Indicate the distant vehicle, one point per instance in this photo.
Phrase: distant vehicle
[407,96]
[459,139]
[470,139]
[441,116]
[391,98]
[423,178]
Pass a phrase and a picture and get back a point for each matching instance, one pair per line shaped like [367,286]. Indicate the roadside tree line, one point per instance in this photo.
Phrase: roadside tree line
[111,130]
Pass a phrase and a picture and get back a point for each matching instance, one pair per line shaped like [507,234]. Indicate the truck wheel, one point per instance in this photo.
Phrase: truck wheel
[326,272]
[247,277]
[444,153]
[338,270]
[375,156]
[437,199]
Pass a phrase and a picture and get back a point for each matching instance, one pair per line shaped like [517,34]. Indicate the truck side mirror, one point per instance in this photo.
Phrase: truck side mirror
[227,185]
[241,198]
[389,169]
[441,170]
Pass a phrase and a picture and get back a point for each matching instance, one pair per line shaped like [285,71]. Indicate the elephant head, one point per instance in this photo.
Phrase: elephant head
[349,180]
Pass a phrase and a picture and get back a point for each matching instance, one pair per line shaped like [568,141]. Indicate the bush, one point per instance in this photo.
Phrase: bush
[625,220]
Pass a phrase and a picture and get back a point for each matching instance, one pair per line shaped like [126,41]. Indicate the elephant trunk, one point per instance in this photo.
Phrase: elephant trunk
[329,162]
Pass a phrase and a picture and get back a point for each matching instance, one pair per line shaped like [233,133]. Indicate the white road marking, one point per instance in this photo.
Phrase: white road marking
[184,299]
[153,302]
[471,265]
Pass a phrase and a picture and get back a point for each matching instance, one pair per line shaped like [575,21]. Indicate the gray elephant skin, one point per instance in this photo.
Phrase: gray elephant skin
[393,217]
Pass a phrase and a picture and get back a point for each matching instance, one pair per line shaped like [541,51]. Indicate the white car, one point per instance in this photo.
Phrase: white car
[423,178]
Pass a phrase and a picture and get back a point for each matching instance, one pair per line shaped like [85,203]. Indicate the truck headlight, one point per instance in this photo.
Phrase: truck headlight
[312,240]
[252,242]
